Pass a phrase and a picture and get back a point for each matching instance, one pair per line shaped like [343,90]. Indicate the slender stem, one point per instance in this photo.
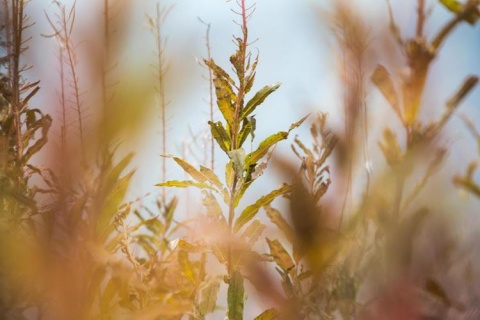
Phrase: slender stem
[420,18]
[210,81]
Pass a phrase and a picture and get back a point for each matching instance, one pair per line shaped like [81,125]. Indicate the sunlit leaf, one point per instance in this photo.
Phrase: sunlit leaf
[270,314]
[185,184]
[250,211]
[258,99]
[264,146]
[211,176]
[188,168]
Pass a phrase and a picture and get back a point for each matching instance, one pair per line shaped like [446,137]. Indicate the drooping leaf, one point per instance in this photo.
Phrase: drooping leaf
[276,218]
[280,255]
[250,211]
[235,296]
[270,314]
[258,99]
[224,92]
[253,231]
[188,168]
[211,176]
[209,296]
[220,135]
[185,184]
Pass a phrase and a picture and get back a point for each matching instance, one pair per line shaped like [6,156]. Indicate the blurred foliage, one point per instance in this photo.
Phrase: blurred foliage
[74,247]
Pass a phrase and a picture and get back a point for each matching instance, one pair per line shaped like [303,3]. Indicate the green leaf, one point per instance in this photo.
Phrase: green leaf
[209,297]
[270,314]
[211,176]
[253,231]
[276,218]
[262,150]
[250,211]
[280,255]
[235,296]
[220,135]
[218,71]
[247,128]
[255,156]
[185,184]
[188,168]
[258,99]
[224,92]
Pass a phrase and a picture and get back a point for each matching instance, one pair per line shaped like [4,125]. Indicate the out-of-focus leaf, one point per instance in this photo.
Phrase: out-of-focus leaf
[213,208]
[258,99]
[253,231]
[108,294]
[188,168]
[270,314]
[250,211]
[276,218]
[235,296]
[186,266]
[77,209]
[280,255]
[110,209]
[209,296]
[390,147]
[457,7]
[185,184]
[381,78]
